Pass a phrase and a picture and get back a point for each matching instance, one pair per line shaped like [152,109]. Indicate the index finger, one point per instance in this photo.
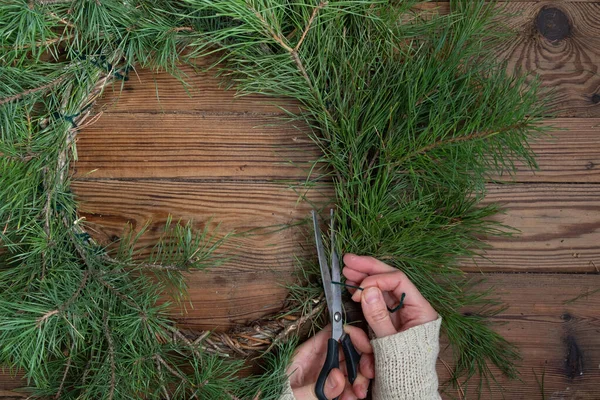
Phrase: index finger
[395,282]
[366,265]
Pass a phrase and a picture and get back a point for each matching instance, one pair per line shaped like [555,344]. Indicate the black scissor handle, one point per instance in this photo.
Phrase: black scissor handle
[352,357]
[332,361]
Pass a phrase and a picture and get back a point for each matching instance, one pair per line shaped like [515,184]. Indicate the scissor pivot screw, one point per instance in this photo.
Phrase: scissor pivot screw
[337,317]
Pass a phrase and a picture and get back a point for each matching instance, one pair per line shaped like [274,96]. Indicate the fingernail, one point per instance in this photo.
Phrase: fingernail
[372,295]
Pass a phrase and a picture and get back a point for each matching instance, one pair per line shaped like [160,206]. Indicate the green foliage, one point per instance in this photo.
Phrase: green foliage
[411,111]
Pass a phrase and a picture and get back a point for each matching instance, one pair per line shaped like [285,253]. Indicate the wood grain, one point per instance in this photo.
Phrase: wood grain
[559,229]
[256,147]
[248,285]
[557,336]
[193,91]
[570,153]
[194,146]
[560,43]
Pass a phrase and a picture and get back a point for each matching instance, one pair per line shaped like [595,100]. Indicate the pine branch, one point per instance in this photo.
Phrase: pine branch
[65,374]
[285,334]
[461,139]
[309,24]
[111,355]
[67,303]
[38,89]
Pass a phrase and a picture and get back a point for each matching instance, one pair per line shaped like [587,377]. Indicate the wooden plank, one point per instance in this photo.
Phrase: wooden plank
[248,285]
[557,335]
[560,231]
[569,154]
[151,92]
[560,42]
[255,147]
[9,382]
[194,146]
[559,224]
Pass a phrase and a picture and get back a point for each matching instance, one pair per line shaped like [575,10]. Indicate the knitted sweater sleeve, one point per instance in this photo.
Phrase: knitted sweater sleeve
[404,365]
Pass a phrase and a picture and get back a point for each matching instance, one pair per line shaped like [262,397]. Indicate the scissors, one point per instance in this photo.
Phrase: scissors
[333,295]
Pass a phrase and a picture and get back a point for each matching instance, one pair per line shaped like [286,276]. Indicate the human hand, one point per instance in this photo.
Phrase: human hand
[383,286]
[310,357]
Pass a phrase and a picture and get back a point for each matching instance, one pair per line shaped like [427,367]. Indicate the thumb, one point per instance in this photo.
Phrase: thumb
[334,386]
[376,313]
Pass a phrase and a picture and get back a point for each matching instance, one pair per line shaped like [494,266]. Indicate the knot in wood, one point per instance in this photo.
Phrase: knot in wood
[553,24]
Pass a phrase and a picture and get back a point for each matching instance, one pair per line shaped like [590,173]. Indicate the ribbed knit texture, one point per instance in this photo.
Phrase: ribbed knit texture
[404,365]
[287,392]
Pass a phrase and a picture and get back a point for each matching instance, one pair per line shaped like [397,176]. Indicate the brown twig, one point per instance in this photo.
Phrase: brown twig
[111,355]
[182,29]
[44,317]
[61,20]
[117,292]
[268,28]
[67,303]
[33,90]
[185,340]
[160,373]
[168,367]
[310,21]
[67,367]
[47,42]
[298,324]
[143,265]
[461,392]
[458,139]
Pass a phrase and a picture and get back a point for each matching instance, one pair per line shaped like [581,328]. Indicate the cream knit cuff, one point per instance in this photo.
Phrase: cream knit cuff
[405,364]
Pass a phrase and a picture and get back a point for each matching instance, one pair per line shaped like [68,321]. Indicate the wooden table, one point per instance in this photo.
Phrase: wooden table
[198,153]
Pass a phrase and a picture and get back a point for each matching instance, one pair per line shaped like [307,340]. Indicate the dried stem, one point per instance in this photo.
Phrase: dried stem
[459,139]
[44,317]
[181,337]
[67,367]
[169,368]
[461,392]
[298,324]
[67,303]
[111,355]
[42,88]
[310,21]
[160,373]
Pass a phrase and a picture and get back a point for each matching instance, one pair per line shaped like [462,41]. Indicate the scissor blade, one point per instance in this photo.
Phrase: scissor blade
[325,274]
[336,302]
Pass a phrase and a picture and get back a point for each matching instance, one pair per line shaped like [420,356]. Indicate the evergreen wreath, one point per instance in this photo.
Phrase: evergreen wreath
[412,112]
